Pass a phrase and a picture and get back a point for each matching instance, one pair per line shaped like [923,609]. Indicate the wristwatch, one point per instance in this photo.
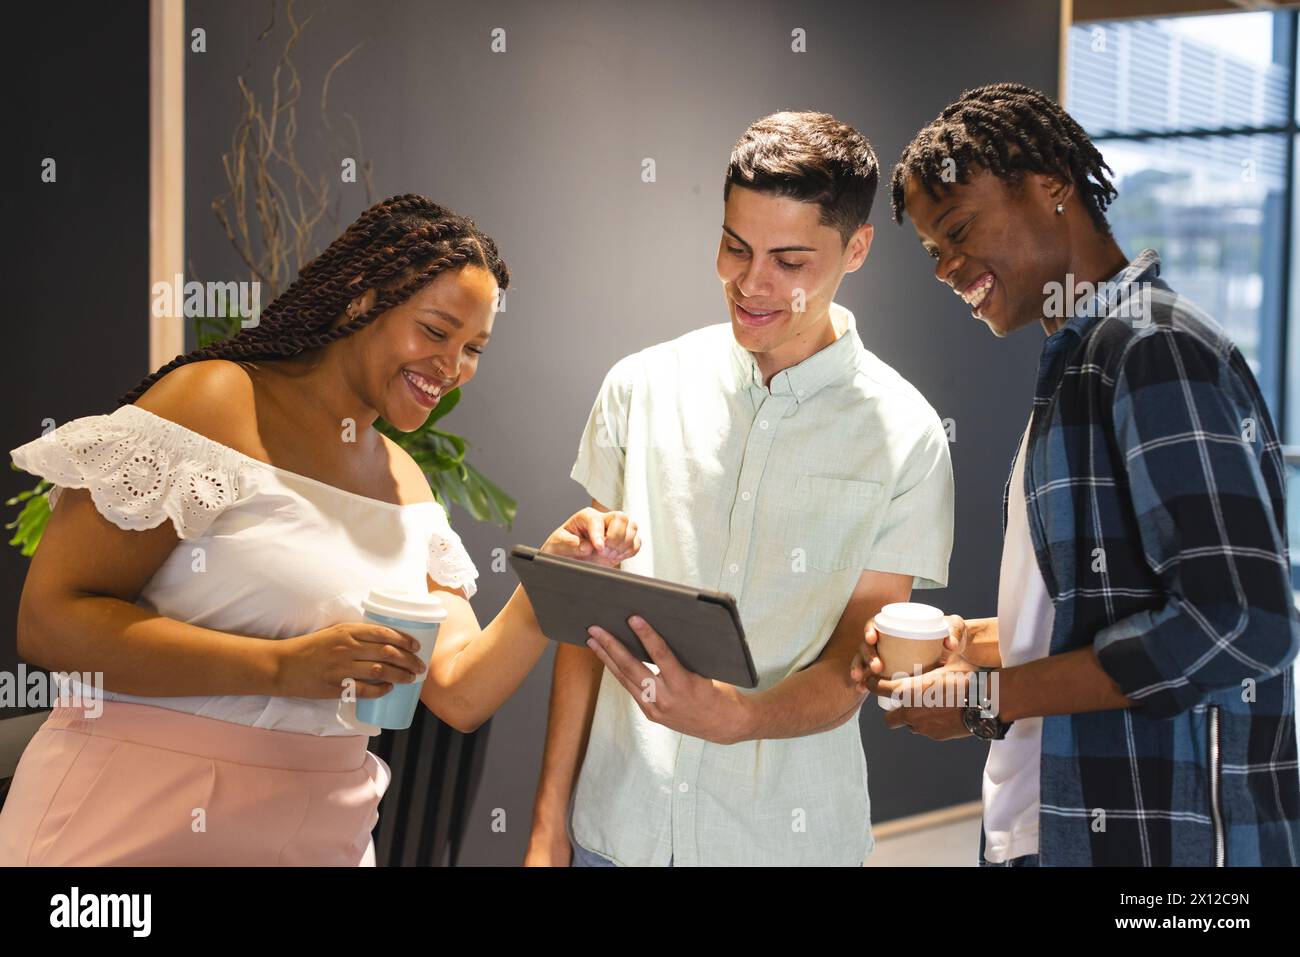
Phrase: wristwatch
[980,719]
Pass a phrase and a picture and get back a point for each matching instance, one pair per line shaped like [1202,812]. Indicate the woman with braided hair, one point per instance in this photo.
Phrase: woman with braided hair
[1141,709]
[212,542]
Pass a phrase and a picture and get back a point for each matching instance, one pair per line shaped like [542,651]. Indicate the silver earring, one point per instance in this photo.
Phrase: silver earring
[1060,209]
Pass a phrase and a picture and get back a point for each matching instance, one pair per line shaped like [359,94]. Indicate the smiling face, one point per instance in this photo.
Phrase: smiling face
[410,356]
[772,248]
[996,244]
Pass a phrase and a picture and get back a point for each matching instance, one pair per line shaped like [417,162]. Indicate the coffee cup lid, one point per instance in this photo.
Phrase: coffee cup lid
[423,607]
[906,619]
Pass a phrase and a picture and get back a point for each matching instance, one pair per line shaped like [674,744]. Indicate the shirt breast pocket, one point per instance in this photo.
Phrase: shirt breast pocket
[832,522]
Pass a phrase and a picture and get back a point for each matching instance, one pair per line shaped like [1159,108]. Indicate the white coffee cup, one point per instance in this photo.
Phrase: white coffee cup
[909,639]
[419,614]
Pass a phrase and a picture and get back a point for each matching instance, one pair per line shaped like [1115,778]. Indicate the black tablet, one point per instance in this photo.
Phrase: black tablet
[701,627]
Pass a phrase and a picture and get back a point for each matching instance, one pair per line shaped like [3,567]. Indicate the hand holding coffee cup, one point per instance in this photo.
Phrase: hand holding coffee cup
[417,615]
[905,639]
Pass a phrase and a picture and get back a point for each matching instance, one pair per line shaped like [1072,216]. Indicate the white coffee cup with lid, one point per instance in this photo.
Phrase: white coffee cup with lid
[909,641]
[415,613]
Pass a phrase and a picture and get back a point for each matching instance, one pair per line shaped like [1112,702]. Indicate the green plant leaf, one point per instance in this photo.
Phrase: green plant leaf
[484,500]
[445,405]
[30,524]
[441,456]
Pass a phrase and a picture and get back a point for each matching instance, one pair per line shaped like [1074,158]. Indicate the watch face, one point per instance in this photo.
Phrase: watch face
[979,725]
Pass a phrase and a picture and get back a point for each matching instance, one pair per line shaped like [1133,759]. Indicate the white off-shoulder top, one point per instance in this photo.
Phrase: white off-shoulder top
[264,552]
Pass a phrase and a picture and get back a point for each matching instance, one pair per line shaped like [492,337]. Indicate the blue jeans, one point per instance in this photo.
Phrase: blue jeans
[585,858]
[1028,860]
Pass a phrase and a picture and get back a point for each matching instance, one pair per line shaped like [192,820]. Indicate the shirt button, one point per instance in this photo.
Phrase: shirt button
[733,568]
[745,496]
[763,424]
[801,392]
[683,787]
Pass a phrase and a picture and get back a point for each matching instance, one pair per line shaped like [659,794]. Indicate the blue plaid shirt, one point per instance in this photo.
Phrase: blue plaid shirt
[1154,482]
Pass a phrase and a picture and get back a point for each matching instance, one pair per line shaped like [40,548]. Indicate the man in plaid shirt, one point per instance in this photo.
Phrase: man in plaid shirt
[1143,710]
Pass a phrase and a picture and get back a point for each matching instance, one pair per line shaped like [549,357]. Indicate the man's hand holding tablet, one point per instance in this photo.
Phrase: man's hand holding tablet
[701,656]
[675,697]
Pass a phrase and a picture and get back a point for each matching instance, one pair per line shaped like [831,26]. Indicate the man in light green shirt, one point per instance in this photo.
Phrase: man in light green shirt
[775,458]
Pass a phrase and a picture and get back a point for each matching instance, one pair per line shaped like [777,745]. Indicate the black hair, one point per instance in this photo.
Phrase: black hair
[1009,130]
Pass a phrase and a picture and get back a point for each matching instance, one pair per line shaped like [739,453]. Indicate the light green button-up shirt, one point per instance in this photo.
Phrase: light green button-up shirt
[781,496]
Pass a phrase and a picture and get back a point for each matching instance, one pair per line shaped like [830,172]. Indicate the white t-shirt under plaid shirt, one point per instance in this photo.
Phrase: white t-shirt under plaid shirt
[781,496]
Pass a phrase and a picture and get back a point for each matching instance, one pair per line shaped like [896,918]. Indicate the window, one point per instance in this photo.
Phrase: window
[1197,116]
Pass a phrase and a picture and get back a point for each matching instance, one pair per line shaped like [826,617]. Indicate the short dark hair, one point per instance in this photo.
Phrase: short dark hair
[812,157]
[1009,130]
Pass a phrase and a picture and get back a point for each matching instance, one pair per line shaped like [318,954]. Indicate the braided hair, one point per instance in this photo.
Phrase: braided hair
[1008,129]
[396,247]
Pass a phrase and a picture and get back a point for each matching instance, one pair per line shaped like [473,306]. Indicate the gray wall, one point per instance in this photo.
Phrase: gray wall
[542,145]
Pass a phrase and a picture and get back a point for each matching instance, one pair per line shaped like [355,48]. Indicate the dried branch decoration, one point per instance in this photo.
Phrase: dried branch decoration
[271,226]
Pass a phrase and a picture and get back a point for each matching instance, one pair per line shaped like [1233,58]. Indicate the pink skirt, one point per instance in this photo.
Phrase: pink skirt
[141,785]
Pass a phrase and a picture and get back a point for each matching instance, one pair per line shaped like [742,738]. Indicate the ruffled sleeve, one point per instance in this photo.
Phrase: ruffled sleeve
[449,563]
[140,469]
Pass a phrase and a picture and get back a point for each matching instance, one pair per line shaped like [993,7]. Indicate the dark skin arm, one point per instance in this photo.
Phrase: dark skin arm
[1069,683]
[77,614]
[475,670]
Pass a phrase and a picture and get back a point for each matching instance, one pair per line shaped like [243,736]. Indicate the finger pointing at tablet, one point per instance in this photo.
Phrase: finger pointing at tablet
[603,538]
